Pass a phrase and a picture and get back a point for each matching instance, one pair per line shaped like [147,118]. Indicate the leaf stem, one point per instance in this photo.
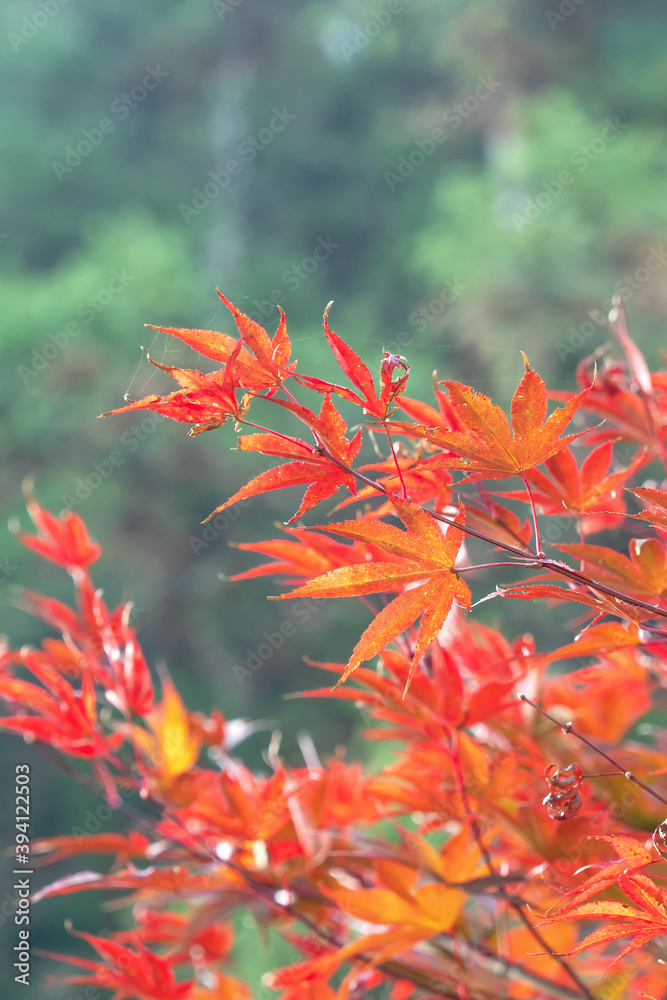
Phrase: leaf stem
[288,393]
[395,457]
[285,437]
[538,542]
[509,562]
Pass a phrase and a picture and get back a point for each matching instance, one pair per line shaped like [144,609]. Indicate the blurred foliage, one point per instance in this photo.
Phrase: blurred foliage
[430,250]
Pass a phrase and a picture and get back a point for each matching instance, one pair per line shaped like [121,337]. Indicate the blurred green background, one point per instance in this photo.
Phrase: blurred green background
[465,180]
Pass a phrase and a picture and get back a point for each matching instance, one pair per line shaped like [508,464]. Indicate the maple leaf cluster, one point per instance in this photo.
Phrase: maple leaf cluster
[451,871]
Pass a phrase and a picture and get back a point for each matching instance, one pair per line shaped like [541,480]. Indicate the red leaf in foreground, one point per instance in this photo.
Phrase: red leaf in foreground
[261,363]
[62,540]
[207,401]
[646,920]
[633,856]
[254,362]
[269,368]
[65,718]
[310,465]
[132,971]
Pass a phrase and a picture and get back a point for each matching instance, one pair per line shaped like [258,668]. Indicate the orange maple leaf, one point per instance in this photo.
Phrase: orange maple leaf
[422,573]
[487,445]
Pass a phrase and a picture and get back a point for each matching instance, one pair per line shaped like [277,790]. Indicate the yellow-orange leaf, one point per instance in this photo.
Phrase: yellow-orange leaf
[422,571]
[176,743]
[488,446]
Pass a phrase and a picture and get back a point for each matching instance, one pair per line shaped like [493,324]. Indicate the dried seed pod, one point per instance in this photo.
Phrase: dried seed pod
[660,839]
[562,805]
[563,800]
[564,778]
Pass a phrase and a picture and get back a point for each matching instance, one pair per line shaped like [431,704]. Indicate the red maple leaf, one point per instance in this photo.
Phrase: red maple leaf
[304,555]
[643,573]
[589,489]
[62,540]
[262,363]
[646,920]
[655,504]
[132,971]
[207,401]
[311,463]
[630,399]
[360,376]
[65,718]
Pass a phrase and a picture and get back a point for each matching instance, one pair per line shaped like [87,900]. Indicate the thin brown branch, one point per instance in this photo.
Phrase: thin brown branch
[569,730]
[516,906]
